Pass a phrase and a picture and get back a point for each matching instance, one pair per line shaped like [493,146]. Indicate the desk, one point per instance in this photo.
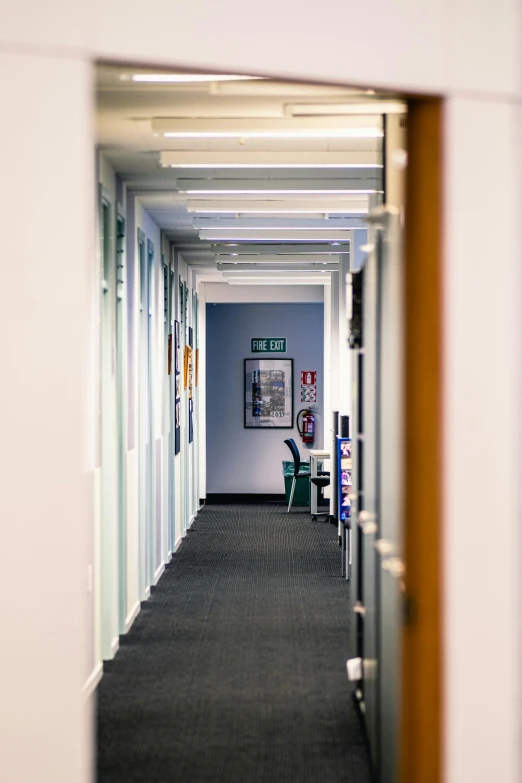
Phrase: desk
[315,456]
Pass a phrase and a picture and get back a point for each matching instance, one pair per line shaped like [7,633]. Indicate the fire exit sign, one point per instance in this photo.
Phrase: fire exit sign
[268,345]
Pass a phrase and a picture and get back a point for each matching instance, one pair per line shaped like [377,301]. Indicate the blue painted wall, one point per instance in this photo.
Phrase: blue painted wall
[244,460]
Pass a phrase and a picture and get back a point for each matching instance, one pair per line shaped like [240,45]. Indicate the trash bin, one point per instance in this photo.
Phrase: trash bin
[302,488]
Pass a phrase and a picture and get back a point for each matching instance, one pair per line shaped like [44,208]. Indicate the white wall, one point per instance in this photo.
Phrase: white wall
[106,529]
[106,507]
[468,53]
[482,311]
[202,391]
[45,400]
[432,46]
[223,292]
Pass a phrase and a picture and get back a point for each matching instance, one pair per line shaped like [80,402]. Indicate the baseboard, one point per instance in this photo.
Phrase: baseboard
[93,681]
[232,498]
[169,557]
[132,616]
[147,594]
[159,573]
[178,544]
[191,522]
[115,646]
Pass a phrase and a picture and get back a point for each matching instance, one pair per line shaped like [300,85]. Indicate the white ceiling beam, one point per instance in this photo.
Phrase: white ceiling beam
[286,258]
[248,159]
[300,279]
[261,248]
[360,187]
[369,126]
[344,109]
[277,223]
[237,267]
[312,206]
[273,235]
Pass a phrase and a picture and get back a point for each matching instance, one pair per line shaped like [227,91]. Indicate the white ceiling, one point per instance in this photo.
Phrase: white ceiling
[132,117]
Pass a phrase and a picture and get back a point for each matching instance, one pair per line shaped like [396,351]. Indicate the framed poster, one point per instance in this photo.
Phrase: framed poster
[177,397]
[177,348]
[269,393]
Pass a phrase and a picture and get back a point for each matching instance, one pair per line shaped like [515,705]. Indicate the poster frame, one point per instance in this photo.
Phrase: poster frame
[283,362]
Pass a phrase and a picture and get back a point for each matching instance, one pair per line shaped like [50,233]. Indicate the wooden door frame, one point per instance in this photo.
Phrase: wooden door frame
[422,676]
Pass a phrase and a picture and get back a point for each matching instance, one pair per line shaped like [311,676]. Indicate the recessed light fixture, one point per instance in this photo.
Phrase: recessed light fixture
[184,78]
[294,192]
[275,211]
[218,238]
[218,228]
[211,165]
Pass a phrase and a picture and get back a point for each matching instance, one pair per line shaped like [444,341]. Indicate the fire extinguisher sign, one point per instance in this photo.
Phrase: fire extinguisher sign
[308,386]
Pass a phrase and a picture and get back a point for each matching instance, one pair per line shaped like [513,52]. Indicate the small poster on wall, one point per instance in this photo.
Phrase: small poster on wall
[269,398]
[308,386]
[189,382]
[177,401]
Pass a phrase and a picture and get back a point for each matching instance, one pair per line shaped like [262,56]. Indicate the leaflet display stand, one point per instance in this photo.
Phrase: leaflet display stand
[344,503]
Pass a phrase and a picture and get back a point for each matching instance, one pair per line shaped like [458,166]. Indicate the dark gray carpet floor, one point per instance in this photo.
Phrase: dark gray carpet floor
[234,671]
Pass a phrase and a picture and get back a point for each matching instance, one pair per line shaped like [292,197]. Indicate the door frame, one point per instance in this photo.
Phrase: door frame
[422,638]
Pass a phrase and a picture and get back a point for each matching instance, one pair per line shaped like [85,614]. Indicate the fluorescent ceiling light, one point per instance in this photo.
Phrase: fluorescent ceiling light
[182,78]
[275,275]
[270,238]
[256,272]
[299,229]
[272,165]
[294,229]
[266,191]
[311,212]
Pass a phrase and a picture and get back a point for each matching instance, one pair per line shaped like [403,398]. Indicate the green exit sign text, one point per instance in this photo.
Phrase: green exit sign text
[268,345]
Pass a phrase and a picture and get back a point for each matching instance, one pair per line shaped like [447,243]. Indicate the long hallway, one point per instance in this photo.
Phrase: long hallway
[234,671]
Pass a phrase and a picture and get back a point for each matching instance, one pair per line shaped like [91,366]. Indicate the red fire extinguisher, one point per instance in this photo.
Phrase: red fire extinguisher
[307,433]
